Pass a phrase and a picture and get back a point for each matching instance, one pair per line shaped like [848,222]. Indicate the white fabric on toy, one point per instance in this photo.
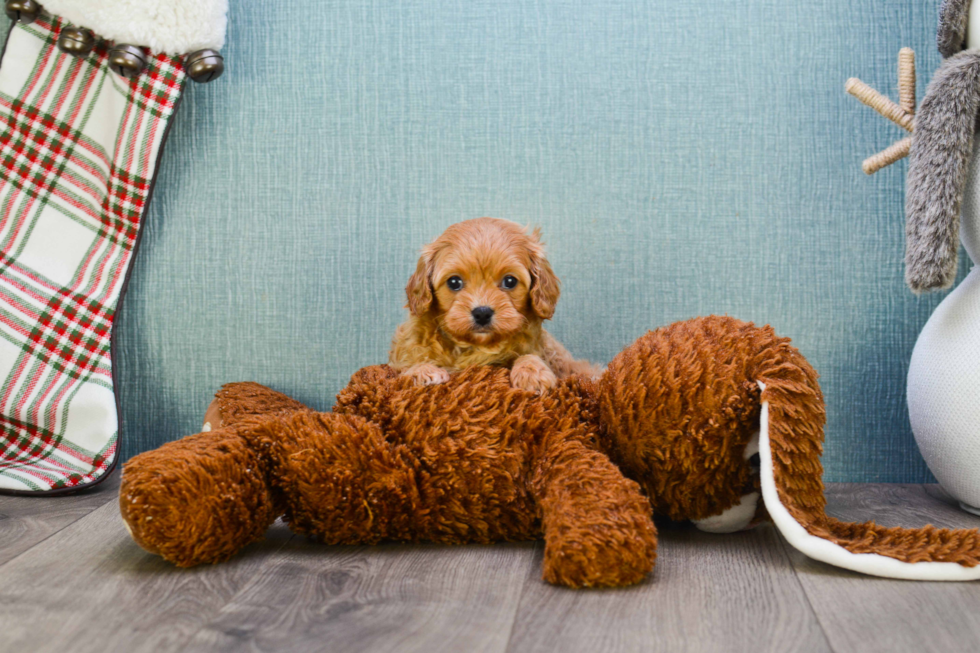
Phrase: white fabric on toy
[944,391]
[970,211]
[735,519]
[739,517]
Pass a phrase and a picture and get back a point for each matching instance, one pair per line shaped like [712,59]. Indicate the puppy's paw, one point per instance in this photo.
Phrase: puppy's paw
[532,374]
[427,374]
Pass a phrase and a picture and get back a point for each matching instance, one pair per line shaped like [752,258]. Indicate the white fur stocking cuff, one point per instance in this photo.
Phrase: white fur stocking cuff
[170,26]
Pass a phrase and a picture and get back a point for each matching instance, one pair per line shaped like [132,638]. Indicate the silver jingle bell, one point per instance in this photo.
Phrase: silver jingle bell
[76,41]
[127,60]
[26,11]
[204,66]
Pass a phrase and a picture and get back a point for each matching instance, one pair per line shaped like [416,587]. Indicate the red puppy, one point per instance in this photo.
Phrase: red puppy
[478,297]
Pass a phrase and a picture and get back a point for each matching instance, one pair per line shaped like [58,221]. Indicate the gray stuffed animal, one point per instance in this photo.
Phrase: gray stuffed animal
[940,174]
[942,208]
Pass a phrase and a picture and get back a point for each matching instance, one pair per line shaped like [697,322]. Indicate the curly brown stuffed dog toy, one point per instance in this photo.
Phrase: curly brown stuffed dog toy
[475,460]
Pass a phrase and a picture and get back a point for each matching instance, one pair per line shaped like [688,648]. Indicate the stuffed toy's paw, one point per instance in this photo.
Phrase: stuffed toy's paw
[198,500]
[586,558]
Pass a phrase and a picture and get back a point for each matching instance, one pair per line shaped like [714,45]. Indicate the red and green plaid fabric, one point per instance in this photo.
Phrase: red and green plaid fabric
[78,151]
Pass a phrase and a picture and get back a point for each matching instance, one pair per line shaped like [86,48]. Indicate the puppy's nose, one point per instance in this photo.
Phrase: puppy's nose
[482,315]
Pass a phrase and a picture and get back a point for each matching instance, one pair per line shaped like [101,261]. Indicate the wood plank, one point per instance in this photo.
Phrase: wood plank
[382,598]
[89,587]
[867,614]
[27,520]
[709,592]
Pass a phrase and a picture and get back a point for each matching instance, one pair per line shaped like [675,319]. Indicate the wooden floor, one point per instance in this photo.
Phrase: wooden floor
[72,580]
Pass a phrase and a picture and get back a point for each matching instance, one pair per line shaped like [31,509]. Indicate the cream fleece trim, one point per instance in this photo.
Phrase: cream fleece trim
[170,26]
[834,554]
[735,519]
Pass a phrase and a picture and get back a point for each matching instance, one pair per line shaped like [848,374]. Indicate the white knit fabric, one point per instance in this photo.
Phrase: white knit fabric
[970,220]
[170,26]
[944,391]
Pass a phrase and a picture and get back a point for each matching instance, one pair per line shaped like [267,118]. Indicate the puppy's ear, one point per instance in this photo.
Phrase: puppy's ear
[419,288]
[545,287]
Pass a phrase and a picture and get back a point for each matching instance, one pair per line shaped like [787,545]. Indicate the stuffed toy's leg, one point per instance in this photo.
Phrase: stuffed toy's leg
[341,481]
[202,498]
[598,530]
[338,480]
[199,499]
[87,94]
[235,403]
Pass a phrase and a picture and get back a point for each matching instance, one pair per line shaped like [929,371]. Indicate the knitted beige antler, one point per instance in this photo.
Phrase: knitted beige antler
[902,114]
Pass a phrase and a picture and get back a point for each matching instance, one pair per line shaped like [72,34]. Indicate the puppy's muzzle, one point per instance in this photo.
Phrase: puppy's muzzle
[482,316]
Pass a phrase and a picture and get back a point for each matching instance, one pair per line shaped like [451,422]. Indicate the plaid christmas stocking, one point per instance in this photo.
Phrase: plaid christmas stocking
[80,138]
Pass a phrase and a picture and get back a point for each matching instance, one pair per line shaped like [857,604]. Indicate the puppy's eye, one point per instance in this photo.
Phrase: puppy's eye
[509,282]
[454,283]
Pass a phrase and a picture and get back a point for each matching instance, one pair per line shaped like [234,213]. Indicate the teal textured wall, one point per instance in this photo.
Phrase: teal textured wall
[682,158]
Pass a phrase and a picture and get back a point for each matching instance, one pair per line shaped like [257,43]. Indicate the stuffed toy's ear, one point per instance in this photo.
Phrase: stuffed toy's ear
[790,470]
[545,287]
[951,33]
[939,160]
[419,288]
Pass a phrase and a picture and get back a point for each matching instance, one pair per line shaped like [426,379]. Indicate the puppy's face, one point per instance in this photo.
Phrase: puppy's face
[484,281]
